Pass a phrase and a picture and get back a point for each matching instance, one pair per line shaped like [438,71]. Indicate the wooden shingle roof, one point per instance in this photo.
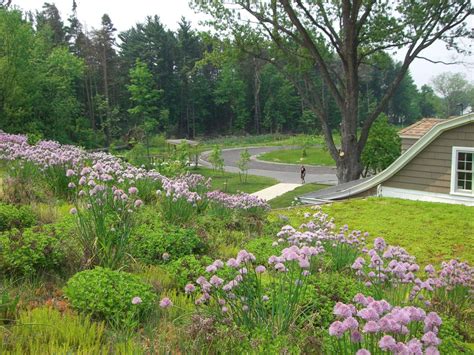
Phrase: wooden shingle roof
[418,129]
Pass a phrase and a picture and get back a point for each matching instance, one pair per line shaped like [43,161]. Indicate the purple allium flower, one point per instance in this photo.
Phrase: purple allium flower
[132,190]
[260,269]
[379,244]
[280,267]
[216,281]
[211,268]
[342,310]
[224,309]
[387,343]
[245,308]
[136,300]
[430,338]
[73,210]
[336,329]
[304,263]
[431,350]
[71,185]
[350,323]
[189,288]
[70,172]
[166,303]
[356,337]
[432,320]
[415,347]
[363,352]
[138,203]
[265,298]
[371,327]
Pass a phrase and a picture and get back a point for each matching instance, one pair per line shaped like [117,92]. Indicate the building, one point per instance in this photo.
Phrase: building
[437,165]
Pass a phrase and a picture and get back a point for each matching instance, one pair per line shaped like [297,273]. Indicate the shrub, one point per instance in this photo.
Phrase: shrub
[108,294]
[31,250]
[15,217]
[188,269]
[154,246]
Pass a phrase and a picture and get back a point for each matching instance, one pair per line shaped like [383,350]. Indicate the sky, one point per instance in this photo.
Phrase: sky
[125,14]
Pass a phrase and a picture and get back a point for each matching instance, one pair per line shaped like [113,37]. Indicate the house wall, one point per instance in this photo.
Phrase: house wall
[407,143]
[430,170]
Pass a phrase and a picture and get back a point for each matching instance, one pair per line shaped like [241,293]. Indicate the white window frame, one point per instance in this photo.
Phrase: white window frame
[454,164]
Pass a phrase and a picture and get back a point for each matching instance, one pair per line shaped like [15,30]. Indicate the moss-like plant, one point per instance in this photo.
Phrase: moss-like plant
[115,296]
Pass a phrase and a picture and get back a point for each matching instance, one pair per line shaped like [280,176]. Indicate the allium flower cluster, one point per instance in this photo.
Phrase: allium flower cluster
[376,324]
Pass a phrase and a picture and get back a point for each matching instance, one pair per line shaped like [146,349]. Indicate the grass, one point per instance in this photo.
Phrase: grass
[315,156]
[287,198]
[230,182]
[433,232]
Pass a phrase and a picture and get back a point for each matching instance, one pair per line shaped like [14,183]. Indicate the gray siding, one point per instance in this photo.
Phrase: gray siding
[430,170]
[407,143]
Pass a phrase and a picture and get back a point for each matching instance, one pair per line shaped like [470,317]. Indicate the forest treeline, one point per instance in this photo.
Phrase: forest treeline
[60,81]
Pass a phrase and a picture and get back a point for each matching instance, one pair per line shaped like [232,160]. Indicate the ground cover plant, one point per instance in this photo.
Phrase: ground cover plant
[133,261]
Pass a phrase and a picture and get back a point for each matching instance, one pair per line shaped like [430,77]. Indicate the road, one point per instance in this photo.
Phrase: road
[285,173]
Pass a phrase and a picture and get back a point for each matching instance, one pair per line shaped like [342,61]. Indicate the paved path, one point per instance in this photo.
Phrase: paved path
[285,173]
[275,190]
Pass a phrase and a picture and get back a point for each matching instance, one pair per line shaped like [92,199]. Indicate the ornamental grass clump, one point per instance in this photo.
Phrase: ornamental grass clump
[376,327]
[256,296]
[105,216]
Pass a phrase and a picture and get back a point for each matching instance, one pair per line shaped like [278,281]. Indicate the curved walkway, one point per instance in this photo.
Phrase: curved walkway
[285,173]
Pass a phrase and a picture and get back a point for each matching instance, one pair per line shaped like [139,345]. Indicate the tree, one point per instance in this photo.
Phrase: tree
[333,40]
[455,91]
[104,39]
[243,165]
[430,104]
[51,18]
[216,159]
[145,99]
[382,148]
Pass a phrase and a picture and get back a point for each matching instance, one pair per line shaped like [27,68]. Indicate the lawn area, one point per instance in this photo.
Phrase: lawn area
[431,231]
[230,182]
[286,199]
[315,156]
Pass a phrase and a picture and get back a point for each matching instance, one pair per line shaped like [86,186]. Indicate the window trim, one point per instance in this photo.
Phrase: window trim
[454,164]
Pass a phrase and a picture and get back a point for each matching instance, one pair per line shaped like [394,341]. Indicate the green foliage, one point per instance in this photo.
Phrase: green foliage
[216,159]
[243,164]
[12,216]
[31,250]
[8,307]
[156,245]
[46,331]
[382,148]
[188,268]
[138,155]
[326,289]
[107,294]
[457,93]
[262,248]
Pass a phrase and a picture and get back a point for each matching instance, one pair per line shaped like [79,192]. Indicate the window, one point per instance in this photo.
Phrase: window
[462,171]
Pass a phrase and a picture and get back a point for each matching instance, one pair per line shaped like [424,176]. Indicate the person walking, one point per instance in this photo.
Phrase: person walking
[303,173]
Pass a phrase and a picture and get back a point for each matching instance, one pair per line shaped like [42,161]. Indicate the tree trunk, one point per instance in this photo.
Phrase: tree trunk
[256,93]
